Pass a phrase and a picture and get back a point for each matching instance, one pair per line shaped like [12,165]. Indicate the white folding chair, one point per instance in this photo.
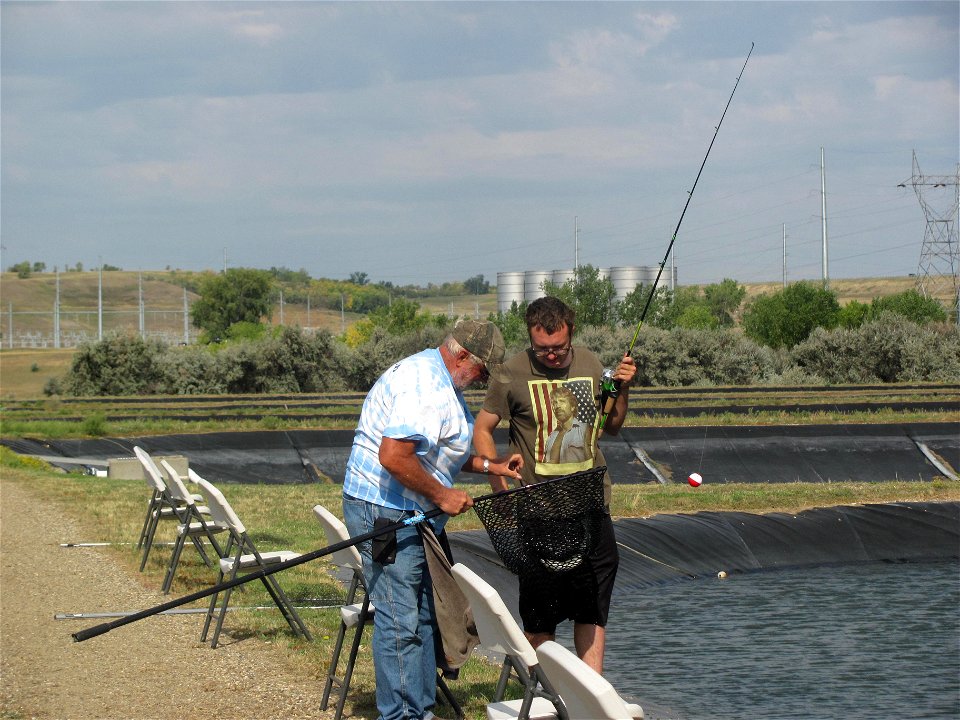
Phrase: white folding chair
[193,524]
[240,555]
[353,615]
[586,694]
[162,506]
[500,633]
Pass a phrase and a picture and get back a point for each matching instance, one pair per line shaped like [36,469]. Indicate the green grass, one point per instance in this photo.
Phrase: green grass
[279,516]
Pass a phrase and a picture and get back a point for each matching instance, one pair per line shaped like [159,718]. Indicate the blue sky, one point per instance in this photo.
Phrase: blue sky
[423,142]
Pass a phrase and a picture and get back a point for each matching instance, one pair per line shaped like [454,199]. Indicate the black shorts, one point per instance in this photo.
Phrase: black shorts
[581,595]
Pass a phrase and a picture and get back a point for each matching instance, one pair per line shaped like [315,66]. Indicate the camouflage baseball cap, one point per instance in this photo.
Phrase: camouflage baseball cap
[483,339]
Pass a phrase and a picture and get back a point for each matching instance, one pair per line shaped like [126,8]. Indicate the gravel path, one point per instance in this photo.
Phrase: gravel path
[155,669]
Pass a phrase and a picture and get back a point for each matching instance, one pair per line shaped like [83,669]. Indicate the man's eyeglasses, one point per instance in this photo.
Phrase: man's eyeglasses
[558,352]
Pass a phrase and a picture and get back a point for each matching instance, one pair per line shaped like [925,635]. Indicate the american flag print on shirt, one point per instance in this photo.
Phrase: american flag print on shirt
[546,422]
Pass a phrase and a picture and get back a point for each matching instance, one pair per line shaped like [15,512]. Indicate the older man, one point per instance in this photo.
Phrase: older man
[414,436]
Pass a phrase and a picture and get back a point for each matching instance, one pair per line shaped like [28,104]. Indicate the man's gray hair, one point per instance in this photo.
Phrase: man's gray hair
[454,347]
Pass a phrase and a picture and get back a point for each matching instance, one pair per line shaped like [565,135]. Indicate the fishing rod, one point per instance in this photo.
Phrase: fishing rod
[103,628]
[610,388]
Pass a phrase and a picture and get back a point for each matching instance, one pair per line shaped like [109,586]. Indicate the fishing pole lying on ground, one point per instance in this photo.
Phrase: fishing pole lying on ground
[609,387]
[96,630]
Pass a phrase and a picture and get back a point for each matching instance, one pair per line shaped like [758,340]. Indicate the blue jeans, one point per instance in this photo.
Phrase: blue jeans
[404,657]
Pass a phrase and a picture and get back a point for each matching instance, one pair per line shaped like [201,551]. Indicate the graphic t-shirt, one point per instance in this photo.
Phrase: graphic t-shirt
[553,414]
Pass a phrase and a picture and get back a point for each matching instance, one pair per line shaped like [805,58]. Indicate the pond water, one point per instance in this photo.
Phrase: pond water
[865,641]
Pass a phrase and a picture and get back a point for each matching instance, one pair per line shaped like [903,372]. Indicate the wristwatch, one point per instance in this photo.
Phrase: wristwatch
[486,465]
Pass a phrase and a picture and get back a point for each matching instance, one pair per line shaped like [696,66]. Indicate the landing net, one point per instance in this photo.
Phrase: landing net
[548,527]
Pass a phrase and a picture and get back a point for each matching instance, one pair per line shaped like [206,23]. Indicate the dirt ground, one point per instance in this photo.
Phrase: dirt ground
[155,669]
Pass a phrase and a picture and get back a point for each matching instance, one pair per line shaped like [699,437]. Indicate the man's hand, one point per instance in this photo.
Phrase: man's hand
[626,371]
[454,502]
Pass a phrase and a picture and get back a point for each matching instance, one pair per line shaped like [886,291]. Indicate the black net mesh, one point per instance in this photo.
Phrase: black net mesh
[548,527]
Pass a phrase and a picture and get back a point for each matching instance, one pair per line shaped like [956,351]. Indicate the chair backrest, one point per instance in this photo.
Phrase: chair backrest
[178,491]
[220,509]
[496,627]
[585,693]
[151,471]
[336,532]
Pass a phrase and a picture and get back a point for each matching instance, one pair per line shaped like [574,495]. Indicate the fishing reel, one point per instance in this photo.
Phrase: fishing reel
[609,390]
[609,387]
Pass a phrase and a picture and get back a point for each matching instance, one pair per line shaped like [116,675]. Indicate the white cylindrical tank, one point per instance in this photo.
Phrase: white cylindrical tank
[559,277]
[603,273]
[626,279]
[532,280]
[509,289]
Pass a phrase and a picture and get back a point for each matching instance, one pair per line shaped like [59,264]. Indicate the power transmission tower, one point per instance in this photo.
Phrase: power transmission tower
[939,196]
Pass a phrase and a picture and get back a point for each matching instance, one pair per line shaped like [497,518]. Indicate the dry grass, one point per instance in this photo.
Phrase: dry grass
[23,373]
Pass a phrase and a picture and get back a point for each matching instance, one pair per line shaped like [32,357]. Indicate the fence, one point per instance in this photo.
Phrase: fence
[69,328]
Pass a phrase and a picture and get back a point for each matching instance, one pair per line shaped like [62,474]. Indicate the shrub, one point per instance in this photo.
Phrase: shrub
[117,365]
[890,348]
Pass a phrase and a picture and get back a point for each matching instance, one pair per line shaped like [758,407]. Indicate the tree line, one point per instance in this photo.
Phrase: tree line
[690,336]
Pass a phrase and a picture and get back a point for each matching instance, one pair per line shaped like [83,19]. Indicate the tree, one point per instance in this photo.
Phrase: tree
[697,316]
[238,295]
[911,304]
[476,285]
[787,317]
[512,324]
[22,269]
[591,296]
[39,267]
[723,300]
[678,303]
[359,278]
[631,308]
[853,314]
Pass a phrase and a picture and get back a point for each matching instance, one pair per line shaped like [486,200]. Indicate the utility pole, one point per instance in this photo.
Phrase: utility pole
[186,318]
[937,273]
[140,308]
[56,314]
[823,218]
[784,255]
[576,245]
[100,303]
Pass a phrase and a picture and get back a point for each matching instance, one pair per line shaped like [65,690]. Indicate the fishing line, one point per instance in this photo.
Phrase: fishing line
[610,388]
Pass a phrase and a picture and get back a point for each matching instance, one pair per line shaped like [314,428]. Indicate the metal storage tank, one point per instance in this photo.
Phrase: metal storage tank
[603,273]
[559,277]
[509,289]
[626,279]
[532,279]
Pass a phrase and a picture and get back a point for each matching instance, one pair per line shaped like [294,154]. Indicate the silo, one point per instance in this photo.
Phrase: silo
[532,280]
[603,273]
[626,279]
[559,277]
[509,290]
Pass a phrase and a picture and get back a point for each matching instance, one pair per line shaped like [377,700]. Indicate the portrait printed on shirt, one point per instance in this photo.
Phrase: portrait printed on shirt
[565,415]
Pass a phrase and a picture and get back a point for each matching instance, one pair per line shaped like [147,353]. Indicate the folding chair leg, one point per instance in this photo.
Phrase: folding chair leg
[334,662]
[146,520]
[502,682]
[198,544]
[448,697]
[220,616]
[286,607]
[151,533]
[211,610]
[348,670]
[174,561]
